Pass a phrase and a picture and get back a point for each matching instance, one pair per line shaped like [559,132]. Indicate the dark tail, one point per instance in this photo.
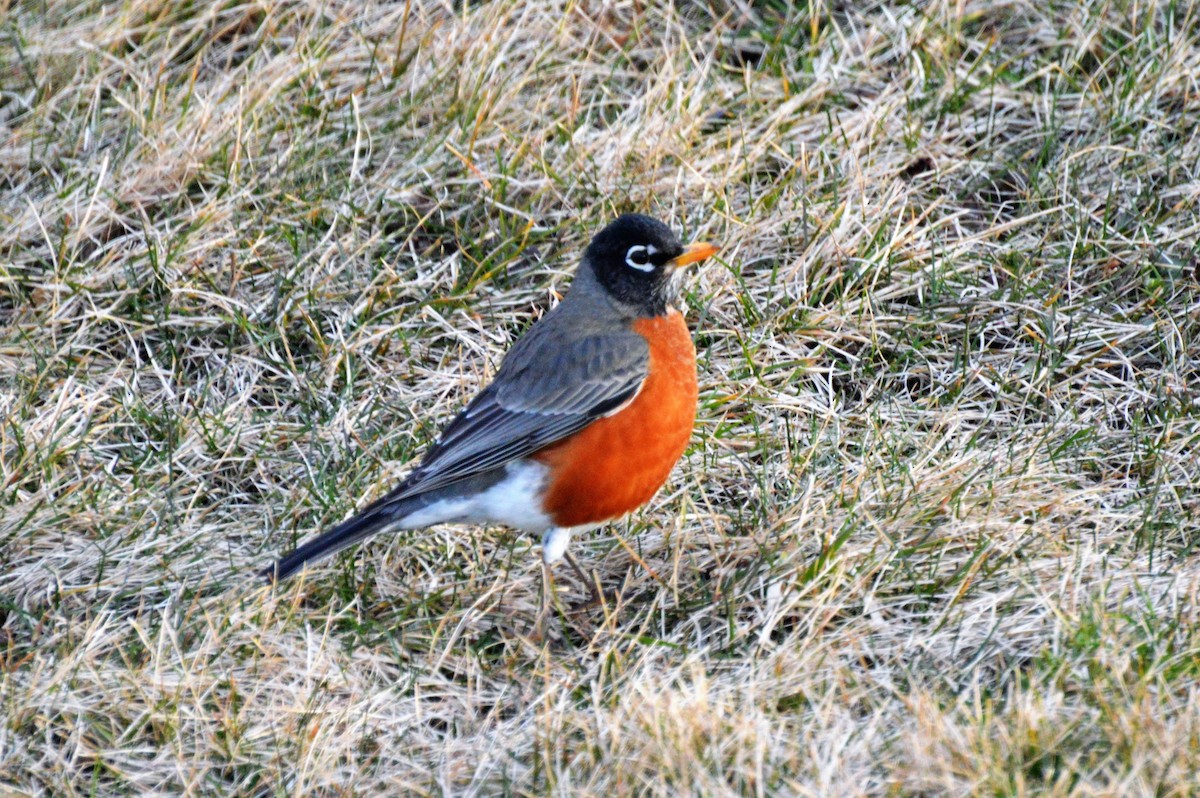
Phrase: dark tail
[374,518]
[345,534]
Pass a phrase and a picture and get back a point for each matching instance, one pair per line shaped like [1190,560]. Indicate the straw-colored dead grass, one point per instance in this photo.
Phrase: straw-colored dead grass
[935,535]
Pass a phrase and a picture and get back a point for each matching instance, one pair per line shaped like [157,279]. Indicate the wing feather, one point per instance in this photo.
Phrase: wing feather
[535,401]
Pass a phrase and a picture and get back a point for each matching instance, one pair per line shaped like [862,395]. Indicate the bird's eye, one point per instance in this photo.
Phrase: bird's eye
[638,257]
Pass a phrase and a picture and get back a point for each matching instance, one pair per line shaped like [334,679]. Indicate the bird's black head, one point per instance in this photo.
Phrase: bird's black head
[636,258]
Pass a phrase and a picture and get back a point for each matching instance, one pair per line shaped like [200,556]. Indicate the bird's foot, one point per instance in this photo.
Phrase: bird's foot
[596,595]
[597,598]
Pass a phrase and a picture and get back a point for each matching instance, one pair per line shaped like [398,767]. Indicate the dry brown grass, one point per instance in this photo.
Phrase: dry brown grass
[936,532]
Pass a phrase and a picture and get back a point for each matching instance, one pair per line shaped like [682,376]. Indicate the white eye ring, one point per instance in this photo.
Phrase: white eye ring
[643,264]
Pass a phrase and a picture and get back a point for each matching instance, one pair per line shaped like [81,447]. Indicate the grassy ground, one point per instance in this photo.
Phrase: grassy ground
[936,533]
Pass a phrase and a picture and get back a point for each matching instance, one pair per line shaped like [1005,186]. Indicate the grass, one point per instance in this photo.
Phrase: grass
[936,533]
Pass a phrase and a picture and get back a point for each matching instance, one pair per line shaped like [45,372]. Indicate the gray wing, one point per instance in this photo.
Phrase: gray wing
[546,389]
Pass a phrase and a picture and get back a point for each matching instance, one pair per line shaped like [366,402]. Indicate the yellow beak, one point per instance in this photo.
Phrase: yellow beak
[693,253]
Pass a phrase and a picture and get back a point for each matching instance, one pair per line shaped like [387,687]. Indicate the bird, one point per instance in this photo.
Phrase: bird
[586,417]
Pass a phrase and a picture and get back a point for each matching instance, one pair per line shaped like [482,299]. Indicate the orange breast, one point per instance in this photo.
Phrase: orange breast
[617,463]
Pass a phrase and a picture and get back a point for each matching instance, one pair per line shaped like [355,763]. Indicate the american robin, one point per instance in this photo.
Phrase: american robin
[588,413]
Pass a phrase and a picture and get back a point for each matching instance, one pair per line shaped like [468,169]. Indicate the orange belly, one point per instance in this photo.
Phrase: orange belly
[617,463]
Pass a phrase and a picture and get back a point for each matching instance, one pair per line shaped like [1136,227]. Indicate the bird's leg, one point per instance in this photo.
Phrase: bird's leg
[549,599]
[592,582]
